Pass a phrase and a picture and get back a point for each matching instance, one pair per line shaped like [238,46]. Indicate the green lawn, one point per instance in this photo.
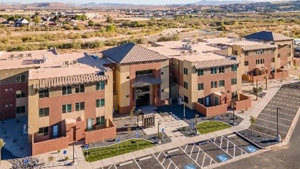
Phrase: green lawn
[116,149]
[211,126]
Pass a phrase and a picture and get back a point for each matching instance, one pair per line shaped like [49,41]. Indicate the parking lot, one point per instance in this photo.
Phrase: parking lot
[288,99]
[192,156]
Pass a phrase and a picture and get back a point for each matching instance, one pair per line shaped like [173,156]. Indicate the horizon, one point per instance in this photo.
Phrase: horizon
[133,2]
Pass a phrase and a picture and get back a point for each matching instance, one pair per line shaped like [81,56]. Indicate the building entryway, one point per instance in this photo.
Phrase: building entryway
[143,100]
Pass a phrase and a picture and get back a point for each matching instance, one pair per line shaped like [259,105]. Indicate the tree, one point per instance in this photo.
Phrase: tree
[79,27]
[2,143]
[91,23]
[111,28]
[109,19]
[37,19]
[252,121]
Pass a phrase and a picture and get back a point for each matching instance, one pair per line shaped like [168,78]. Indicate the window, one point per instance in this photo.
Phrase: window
[21,78]
[79,106]
[246,53]
[222,69]
[234,95]
[214,84]
[100,102]
[79,88]
[20,109]
[246,63]
[66,108]
[289,54]
[186,99]
[233,81]
[143,72]
[200,86]
[233,68]
[185,71]
[44,112]
[262,61]
[142,89]
[66,90]
[20,94]
[257,61]
[200,72]
[201,100]
[100,120]
[222,83]
[278,55]
[100,85]
[213,70]
[43,93]
[175,79]
[185,85]
[43,131]
[260,52]
[273,60]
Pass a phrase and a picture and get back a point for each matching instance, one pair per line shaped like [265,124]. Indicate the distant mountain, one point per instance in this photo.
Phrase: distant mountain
[93,4]
[50,5]
[224,2]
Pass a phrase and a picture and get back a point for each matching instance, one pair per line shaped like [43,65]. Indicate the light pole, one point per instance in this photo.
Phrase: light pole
[256,89]
[196,130]
[232,105]
[278,137]
[158,140]
[183,109]
[266,82]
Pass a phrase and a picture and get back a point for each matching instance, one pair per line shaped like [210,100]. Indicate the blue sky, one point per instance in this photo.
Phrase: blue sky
[115,1]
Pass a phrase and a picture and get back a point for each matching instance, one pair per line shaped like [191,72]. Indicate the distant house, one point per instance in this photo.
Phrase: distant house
[21,22]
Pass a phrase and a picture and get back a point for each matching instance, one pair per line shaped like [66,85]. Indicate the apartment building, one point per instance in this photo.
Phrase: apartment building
[141,77]
[67,97]
[205,80]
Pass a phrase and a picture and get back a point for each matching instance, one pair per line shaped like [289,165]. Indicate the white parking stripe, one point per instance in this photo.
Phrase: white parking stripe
[280,118]
[137,164]
[206,154]
[222,149]
[261,133]
[269,128]
[273,122]
[159,161]
[191,157]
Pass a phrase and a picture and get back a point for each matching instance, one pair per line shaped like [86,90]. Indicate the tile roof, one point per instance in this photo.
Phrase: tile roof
[132,53]
[145,80]
[262,46]
[214,63]
[268,36]
[69,80]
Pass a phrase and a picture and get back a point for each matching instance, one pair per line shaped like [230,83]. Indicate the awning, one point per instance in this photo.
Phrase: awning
[146,80]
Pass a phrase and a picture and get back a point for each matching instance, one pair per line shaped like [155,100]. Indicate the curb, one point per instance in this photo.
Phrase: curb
[250,141]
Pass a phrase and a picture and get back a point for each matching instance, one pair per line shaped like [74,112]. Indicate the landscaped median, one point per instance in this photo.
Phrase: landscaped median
[95,154]
[211,126]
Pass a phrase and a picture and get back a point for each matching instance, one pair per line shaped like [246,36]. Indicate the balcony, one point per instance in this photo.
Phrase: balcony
[210,111]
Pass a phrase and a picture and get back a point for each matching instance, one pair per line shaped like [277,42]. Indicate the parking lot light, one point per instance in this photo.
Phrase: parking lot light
[278,137]
[232,105]
[158,140]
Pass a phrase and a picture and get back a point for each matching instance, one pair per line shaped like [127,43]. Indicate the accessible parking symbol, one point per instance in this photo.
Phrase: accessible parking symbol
[251,149]
[222,158]
[189,166]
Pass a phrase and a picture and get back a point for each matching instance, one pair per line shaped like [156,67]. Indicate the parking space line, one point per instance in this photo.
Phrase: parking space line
[171,161]
[280,112]
[234,146]
[261,132]
[191,157]
[112,165]
[269,128]
[221,149]
[203,159]
[192,150]
[159,161]
[137,163]
[280,118]
[268,121]
[206,153]
[185,147]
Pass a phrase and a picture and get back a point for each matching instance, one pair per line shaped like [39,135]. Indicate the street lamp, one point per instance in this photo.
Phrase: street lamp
[278,137]
[232,105]
[158,140]
[184,109]
[196,130]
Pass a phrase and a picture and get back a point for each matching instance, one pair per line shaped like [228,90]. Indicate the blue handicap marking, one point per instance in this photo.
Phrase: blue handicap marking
[136,135]
[222,158]
[86,146]
[118,139]
[26,161]
[65,152]
[189,166]
[192,124]
[251,149]
[217,118]
[163,130]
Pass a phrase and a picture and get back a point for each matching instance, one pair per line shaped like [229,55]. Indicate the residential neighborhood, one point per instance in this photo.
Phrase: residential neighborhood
[121,88]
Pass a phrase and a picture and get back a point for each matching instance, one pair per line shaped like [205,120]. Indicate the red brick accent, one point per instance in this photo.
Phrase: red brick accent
[210,111]
[244,102]
[101,134]
[251,78]
[50,145]
[296,61]
[281,74]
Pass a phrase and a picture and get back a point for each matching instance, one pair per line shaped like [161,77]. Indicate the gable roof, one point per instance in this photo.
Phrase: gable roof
[268,36]
[132,53]
[215,63]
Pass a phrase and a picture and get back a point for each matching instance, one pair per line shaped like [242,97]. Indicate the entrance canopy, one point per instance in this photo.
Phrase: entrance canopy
[146,80]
